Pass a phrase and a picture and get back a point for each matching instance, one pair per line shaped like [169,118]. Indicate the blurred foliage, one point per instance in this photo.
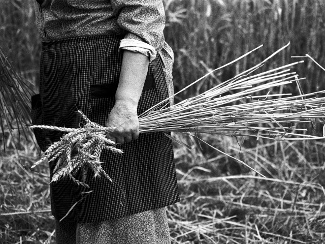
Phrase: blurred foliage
[19,37]
[206,34]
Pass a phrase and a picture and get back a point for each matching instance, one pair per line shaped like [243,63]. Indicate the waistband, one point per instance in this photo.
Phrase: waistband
[80,40]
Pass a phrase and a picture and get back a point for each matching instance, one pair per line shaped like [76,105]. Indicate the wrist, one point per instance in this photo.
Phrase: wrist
[126,102]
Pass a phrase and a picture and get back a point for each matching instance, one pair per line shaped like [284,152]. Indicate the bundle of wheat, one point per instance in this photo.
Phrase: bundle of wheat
[229,109]
[86,143]
[241,113]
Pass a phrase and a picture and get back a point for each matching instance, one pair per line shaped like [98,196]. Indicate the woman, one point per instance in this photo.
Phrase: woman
[109,59]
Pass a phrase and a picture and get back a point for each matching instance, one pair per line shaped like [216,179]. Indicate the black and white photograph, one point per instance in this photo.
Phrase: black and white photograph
[162,121]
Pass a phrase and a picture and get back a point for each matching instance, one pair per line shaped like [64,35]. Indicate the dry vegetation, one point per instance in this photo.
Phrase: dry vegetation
[222,201]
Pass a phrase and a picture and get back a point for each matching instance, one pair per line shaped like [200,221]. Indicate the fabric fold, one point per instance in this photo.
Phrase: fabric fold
[140,47]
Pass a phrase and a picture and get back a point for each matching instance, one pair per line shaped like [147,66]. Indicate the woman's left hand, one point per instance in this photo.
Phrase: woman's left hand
[124,119]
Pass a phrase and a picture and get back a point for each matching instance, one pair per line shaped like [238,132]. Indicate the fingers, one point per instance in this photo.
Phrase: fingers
[121,137]
[124,121]
[135,134]
[124,134]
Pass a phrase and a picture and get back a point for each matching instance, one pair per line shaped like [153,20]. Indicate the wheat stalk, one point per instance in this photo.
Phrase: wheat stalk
[15,95]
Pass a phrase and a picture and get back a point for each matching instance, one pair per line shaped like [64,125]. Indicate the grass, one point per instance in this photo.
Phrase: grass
[207,34]
[19,37]
[23,190]
[222,201]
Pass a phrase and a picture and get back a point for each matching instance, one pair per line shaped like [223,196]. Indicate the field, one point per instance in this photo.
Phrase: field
[222,201]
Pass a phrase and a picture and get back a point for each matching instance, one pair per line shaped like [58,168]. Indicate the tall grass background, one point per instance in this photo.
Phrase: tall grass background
[222,202]
[206,34]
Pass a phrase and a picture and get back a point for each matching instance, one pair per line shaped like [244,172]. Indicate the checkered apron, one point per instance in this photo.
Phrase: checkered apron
[82,74]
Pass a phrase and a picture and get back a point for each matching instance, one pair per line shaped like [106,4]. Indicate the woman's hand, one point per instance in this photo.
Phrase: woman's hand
[124,119]
[124,113]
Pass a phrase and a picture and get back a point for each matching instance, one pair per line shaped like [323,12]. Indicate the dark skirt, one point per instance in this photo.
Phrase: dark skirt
[82,74]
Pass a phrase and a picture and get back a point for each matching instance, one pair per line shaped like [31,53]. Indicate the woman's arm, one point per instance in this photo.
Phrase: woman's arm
[124,113]
[144,21]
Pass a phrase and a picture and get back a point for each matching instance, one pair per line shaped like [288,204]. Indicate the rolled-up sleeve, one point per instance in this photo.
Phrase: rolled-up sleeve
[143,20]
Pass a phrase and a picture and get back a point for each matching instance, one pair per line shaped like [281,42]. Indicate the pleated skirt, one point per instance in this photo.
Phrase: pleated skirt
[149,227]
[82,74]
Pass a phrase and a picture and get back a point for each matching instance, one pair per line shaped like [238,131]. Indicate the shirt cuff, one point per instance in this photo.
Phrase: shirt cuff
[140,47]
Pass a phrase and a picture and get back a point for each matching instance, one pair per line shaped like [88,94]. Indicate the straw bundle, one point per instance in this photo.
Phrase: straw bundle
[241,113]
[15,96]
[230,108]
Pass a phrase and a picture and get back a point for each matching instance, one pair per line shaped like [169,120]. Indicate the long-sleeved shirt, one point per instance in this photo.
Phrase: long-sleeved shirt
[138,20]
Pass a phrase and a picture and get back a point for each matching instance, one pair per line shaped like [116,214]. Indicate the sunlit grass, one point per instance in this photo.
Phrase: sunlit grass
[224,202]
